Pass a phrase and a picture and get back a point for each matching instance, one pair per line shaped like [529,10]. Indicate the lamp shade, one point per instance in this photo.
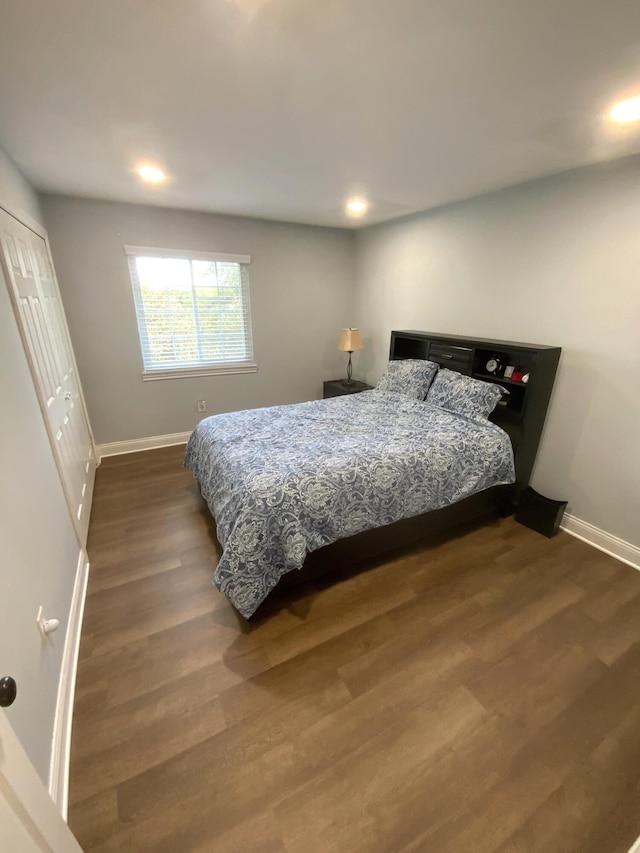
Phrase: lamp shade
[350,340]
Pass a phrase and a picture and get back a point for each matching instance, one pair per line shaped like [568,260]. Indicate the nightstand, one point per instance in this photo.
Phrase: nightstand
[337,387]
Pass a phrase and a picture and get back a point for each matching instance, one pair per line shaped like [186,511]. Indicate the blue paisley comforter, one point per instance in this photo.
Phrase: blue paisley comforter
[284,481]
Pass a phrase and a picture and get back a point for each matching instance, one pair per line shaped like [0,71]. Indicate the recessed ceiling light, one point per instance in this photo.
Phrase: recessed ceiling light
[356,207]
[151,174]
[627,110]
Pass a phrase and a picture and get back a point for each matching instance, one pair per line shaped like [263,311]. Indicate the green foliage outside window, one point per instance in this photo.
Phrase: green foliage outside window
[190,311]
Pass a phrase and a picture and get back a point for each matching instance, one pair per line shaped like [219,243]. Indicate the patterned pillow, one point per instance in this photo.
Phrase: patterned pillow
[463,395]
[410,376]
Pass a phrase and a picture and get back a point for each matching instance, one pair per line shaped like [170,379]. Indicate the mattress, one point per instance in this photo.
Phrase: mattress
[286,480]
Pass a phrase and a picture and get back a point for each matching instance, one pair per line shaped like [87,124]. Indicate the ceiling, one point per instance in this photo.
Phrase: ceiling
[283,108]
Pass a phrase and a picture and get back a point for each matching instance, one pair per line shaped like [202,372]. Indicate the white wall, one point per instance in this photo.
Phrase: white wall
[38,548]
[16,193]
[555,262]
[301,296]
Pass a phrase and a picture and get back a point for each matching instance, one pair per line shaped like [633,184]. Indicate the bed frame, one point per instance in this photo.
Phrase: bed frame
[521,415]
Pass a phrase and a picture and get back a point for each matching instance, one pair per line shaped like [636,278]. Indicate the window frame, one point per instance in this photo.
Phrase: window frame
[196,368]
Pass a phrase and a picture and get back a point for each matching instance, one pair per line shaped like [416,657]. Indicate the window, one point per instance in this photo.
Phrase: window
[193,312]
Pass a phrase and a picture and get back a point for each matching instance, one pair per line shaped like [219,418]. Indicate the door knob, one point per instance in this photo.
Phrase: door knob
[8,691]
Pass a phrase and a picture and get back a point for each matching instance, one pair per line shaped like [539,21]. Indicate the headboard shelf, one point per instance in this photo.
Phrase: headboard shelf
[523,410]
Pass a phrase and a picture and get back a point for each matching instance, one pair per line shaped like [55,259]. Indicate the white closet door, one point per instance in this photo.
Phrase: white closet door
[45,336]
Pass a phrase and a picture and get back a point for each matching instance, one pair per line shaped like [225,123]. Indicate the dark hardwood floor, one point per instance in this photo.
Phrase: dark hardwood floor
[479,693]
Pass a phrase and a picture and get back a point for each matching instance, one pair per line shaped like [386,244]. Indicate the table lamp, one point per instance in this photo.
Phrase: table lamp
[350,341]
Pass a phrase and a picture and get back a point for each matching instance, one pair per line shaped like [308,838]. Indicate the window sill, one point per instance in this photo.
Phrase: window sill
[190,372]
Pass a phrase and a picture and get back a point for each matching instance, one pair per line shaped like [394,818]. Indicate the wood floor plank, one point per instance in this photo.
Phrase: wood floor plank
[475,692]
[340,804]
[141,734]
[216,799]
[565,821]
[491,818]
[259,834]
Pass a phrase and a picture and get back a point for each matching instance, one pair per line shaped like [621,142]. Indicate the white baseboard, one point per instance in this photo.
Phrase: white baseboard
[136,444]
[61,746]
[603,541]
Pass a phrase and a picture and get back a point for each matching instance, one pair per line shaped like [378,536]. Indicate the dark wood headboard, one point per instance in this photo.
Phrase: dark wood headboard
[522,413]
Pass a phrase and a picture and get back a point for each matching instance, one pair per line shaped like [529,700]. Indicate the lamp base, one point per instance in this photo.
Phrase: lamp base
[349,380]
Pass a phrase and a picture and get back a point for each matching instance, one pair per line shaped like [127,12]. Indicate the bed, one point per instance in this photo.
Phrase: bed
[329,483]
[285,481]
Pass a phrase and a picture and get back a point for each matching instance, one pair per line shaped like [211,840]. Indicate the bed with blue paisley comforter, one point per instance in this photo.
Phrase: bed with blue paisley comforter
[283,481]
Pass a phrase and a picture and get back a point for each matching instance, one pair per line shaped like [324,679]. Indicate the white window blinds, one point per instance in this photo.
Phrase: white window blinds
[193,311]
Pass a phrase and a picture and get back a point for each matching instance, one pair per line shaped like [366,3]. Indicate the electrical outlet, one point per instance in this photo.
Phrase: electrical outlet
[202,406]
